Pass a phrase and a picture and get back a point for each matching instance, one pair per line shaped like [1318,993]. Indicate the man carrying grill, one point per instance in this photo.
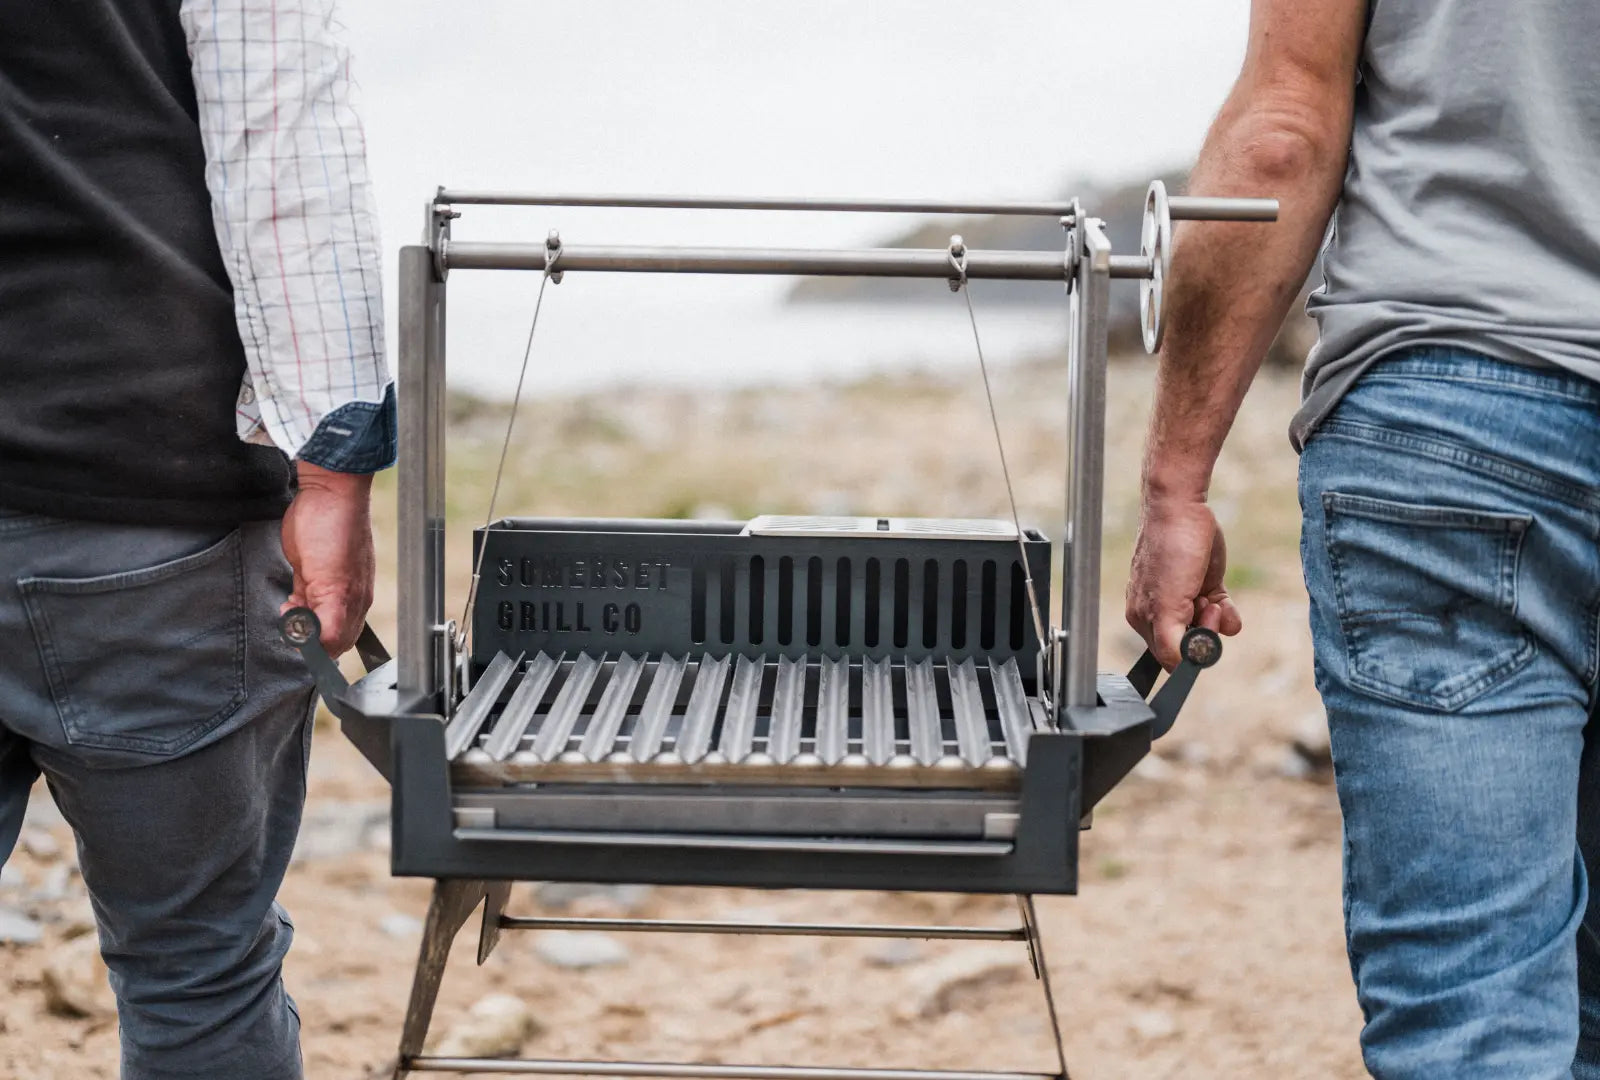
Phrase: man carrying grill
[1449,152]
[192,387]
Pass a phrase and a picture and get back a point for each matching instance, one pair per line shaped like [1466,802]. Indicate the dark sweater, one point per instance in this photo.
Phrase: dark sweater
[120,359]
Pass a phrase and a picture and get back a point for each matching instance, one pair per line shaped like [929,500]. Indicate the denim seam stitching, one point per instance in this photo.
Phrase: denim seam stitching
[1533,389]
[1474,461]
[43,638]
[1592,672]
[1454,361]
[133,579]
[1352,954]
[1365,506]
[1512,558]
[30,523]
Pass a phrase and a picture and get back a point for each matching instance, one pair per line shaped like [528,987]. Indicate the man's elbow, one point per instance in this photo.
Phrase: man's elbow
[1285,153]
[1289,138]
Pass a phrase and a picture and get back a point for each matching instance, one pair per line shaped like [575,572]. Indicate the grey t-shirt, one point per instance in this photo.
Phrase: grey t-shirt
[1471,208]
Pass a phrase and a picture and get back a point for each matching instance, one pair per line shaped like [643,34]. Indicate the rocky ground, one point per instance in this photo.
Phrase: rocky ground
[1205,941]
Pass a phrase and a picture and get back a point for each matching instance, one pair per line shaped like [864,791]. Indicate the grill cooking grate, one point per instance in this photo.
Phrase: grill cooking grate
[919,722]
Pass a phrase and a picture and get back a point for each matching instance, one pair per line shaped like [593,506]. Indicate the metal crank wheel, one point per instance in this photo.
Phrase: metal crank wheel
[1155,244]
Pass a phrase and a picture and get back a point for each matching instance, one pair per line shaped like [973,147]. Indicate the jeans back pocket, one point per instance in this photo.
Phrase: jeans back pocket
[1427,598]
[149,660]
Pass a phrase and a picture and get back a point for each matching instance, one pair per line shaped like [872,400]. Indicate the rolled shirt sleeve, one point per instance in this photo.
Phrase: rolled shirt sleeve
[292,202]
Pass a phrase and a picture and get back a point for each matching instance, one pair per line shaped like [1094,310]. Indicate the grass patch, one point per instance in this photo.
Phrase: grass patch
[1243,576]
[1112,869]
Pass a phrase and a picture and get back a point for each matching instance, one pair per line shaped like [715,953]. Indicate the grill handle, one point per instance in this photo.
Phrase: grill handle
[1200,649]
[301,628]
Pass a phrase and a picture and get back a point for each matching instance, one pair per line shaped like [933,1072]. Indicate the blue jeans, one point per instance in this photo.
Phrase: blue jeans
[142,674]
[1451,545]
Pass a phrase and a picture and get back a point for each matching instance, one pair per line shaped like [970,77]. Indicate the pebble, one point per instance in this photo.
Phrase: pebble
[42,811]
[333,830]
[495,1026]
[1291,766]
[559,895]
[78,918]
[897,953]
[17,929]
[401,926]
[12,879]
[75,980]
[802,959]
[1153,769]
[579,950]
[55,886]
[378,838]
[959,980]
[41,845]
[1152,1025]
[752,915]
[1312,742]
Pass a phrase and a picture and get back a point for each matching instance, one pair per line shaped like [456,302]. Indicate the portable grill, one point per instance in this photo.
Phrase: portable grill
[788,702]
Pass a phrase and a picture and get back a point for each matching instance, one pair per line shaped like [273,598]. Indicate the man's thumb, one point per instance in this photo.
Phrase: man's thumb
[1168,633]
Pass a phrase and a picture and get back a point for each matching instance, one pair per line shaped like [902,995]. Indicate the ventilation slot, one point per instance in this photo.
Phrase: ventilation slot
[930,604]
[758,596]
[902,603]
[785,600]
[987,615]
[725,579]
[697,605]
[870,635]
[814,601]
[1019,605]
[841,609]
[958,604]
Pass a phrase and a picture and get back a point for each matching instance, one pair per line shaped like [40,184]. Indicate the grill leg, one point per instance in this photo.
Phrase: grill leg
[496,893]
[453,902]
[1041,971]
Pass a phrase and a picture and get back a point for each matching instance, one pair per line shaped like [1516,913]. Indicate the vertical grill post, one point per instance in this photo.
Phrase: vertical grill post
[1086,381]
[420,577]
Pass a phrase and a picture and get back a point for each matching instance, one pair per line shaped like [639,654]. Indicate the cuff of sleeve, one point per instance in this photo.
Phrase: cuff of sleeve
[357,437]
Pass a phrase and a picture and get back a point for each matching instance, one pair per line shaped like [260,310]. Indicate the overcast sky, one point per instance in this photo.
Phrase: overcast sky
[934,98]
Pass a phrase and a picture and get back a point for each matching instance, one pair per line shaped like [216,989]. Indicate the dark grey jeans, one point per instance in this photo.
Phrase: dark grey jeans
[142,674]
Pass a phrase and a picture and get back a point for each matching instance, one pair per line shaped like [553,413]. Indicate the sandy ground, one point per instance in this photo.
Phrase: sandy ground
[1206,940]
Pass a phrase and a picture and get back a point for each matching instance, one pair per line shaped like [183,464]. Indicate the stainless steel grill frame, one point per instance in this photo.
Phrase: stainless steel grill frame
[719,746]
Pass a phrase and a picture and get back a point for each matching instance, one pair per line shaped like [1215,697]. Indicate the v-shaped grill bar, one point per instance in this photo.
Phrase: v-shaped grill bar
[909,723]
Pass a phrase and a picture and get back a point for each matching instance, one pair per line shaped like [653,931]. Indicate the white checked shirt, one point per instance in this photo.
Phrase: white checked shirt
[286,168]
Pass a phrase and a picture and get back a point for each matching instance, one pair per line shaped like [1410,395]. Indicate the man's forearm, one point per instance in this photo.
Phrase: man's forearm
[1284,131]
[1231,285]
